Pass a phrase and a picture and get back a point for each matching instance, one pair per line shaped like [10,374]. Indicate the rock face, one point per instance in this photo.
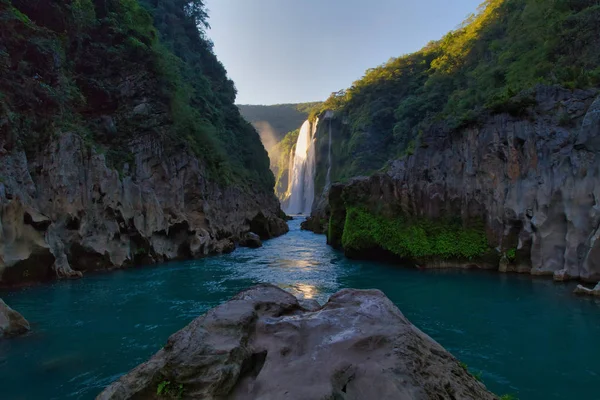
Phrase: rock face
[263,345]
[11,322]
[318,221]
[533,180]
[251,240]
[580,289]
[66,212]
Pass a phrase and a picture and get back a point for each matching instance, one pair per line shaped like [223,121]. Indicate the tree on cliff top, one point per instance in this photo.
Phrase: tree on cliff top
[486,65]
[62,63]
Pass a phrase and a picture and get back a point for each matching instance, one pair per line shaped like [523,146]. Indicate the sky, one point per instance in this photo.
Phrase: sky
[294,51]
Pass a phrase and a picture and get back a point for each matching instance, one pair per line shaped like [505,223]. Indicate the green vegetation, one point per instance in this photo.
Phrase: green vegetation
[477,375]
[282,118]
[114,70]
[280,164]
[490,64]
[511,254]
[335,230]
[169,390]
[279,126]
[412,238]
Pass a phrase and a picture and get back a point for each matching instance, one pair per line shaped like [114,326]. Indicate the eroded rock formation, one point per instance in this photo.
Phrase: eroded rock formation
[11,322]
[251,240]
[533,179]
[120,143]
[580,289]
[262,344]
[66,212]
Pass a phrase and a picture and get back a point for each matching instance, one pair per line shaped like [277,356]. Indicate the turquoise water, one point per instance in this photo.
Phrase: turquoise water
[527,336]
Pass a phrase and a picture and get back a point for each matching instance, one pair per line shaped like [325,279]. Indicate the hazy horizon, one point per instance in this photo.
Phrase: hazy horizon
[286,52]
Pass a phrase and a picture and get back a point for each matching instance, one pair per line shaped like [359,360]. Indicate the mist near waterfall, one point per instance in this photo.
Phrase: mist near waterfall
[268,137]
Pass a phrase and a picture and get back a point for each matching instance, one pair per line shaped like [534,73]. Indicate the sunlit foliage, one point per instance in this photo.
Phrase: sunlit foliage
[485,66]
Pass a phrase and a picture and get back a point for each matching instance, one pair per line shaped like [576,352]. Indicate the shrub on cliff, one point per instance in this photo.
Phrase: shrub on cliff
[505,48]
[412,238]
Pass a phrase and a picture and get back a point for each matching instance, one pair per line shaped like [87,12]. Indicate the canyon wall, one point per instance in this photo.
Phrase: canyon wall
[65,211]
[120,143]
[532,179]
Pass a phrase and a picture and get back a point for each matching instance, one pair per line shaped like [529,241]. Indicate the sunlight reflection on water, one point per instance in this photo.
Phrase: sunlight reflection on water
[86,333]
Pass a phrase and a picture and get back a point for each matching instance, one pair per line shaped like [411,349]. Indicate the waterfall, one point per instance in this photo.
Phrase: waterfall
[302,173]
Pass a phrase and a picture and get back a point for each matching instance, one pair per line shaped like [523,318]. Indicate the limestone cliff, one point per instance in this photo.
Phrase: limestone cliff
[533,181]
[65,211]
[120,143]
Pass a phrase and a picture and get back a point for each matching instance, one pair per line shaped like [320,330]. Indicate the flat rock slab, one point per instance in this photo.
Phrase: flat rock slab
[262,344]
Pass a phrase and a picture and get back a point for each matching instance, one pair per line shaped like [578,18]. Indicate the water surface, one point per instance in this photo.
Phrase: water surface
[529,337]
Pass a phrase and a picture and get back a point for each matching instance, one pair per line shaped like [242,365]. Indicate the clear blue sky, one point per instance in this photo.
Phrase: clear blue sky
[291,51]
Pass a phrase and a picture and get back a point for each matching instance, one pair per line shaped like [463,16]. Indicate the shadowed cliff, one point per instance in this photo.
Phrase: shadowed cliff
[120,142]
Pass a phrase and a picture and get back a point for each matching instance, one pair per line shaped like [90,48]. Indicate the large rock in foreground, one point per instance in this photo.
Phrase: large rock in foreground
[11,322]
[263,345]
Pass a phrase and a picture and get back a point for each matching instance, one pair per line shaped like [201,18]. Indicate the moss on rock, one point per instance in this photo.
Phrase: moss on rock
[411,237]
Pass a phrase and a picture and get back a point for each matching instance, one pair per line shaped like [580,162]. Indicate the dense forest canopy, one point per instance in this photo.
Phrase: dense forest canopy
[485,66]
[63,64]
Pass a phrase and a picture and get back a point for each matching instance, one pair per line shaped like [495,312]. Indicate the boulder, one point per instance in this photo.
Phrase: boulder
[11,322]
[223,246]
[251,240]
[309,304]
[580,289]
[263,345]
[318,221]
[268,227]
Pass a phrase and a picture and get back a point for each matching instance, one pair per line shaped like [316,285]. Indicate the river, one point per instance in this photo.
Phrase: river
[525,336]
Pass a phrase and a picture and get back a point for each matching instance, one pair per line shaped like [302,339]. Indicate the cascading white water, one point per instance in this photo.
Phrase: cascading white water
[302,174]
